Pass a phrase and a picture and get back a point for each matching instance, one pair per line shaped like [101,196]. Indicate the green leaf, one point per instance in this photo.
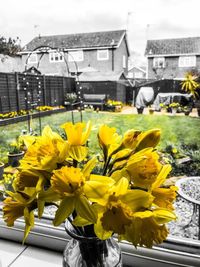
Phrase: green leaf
[84,209]
[65,209]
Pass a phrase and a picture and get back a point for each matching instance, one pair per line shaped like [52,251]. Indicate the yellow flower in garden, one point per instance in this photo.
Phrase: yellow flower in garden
[145,171]
[77,138]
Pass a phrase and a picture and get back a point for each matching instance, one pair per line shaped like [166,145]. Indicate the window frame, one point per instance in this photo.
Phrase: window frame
[99,51]
[76,56]
[172,252]
[124,65]
[187,61]
[157,61]
[54,54]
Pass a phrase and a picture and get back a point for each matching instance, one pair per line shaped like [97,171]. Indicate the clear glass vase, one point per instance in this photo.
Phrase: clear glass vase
[84,251]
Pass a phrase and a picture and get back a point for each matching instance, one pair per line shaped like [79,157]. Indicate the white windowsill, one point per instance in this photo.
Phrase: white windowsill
[45,237]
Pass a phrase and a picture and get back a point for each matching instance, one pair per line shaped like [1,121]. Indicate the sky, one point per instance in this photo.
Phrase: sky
[143,19]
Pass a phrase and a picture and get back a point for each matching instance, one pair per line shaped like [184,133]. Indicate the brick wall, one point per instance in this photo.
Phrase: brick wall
[172,70]
[90,59]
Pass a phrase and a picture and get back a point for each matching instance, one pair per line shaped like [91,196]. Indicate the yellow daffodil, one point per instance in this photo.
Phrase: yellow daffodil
[29,178]
[46,152]
[148,138]
[145,171]
[163,197]
[118,207]
[69,183]
[130,138]
[120,192]
[19,205]
[146,227]
[77,138]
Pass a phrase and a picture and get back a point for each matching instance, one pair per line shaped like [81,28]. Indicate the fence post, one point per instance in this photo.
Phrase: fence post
[17,90]
[8,90]
[44,91]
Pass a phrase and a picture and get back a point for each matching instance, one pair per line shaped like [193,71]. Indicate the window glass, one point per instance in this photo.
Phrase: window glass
[102,54]
[75,56]
[159,62]
[56,57]
[187,61]
[124,61]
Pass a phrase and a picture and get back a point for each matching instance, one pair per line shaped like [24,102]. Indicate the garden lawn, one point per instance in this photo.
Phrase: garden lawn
[174,129]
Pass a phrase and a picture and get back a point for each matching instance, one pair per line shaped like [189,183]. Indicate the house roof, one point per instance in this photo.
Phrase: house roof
[77,41]
[178,46]
[101,76]
[142,69]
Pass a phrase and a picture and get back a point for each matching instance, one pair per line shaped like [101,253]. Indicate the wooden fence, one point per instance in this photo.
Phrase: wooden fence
[19,91]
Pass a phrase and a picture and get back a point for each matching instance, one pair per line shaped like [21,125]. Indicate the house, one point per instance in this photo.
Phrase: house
[136,73]
[70,54]
[172,58]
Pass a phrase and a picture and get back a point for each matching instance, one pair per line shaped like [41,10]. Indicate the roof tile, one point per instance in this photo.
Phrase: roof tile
[190,45]
[76,41]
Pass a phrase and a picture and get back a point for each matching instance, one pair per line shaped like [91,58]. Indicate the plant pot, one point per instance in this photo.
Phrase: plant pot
[140,110]
[90,251]
[2,165]
[151,111]
[187,113]
[13,159]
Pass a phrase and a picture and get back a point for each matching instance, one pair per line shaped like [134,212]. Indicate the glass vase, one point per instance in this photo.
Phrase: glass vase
[83,251]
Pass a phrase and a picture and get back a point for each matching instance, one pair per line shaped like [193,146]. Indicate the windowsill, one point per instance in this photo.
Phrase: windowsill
[16,255]
[45,238]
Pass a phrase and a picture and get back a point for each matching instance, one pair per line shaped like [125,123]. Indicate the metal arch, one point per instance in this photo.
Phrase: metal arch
[43,52]
[65,60]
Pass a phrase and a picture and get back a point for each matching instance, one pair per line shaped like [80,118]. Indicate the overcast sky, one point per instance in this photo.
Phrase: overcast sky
[143,19]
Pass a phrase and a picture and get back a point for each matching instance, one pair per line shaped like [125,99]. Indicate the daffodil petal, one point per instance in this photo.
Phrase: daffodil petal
[78,152]
[137,199]
[100,232]
[89,166]
[121,187]
[162,176]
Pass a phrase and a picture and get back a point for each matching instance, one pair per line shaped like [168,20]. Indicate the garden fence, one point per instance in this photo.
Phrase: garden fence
[20,91]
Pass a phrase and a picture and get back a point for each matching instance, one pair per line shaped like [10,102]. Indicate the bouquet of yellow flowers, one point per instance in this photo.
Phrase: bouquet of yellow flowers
[120,191]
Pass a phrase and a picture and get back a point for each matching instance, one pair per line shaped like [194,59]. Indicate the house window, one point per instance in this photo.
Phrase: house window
[187,61]
[56,57]
[102,54]
[159,62]
[75,56]
[32,59]
[124,61]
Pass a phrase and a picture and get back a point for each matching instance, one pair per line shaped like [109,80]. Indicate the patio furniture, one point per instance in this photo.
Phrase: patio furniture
[168,98]
[97,100]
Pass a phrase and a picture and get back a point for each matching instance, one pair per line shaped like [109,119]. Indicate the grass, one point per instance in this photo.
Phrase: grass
[174,129]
